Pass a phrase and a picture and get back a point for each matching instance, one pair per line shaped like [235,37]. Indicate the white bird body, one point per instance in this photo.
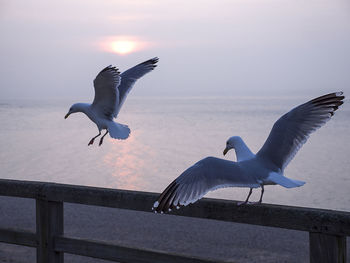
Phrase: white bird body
[111,90]
[93,116]
[115,129]
[251,170]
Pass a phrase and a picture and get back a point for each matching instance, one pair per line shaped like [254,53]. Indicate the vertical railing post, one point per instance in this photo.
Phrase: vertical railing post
[327,248]
[49,223]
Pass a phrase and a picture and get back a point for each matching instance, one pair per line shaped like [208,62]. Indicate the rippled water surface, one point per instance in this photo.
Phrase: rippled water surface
[167,136]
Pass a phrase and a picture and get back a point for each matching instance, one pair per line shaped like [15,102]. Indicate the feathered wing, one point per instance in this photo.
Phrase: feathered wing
[106,92]
[206,175]
[130,76]
[291,131]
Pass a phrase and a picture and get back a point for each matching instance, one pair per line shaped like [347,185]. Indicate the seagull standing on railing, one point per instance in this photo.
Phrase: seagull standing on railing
[111,89]
[287,136]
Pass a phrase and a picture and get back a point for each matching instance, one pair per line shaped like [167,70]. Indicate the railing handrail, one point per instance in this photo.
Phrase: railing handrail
[327,228]
[288,217]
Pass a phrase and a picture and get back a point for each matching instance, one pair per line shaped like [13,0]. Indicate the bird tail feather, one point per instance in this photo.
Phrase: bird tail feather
[118,130]
[284,181]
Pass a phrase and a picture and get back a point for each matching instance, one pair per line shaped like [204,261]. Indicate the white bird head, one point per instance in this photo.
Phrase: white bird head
[232,143]
[77,107]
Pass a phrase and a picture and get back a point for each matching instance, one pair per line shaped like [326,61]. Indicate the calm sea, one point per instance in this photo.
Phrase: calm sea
[167,136]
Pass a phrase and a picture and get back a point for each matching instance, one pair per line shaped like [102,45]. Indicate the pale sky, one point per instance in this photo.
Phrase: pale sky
[53,49]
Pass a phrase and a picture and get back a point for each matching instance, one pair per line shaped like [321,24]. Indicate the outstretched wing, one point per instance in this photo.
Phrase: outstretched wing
[206,175]
[292,130]
[106,92]
[130,76]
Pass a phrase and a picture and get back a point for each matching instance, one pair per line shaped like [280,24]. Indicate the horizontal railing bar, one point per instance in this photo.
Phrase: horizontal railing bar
[18,237]
[17,188]
[296,218]
[108,251]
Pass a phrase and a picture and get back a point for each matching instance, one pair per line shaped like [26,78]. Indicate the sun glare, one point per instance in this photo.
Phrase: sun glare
[123,45]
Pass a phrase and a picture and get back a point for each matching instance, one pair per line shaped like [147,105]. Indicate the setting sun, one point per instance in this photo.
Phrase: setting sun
[123,45]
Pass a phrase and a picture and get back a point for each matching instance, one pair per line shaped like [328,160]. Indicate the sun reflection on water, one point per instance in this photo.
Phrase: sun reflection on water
[128,163]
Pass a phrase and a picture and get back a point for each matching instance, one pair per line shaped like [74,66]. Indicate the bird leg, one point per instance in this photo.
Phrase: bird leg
[261,196]
[92,140]
[101,140]
[246,201]
[262,193]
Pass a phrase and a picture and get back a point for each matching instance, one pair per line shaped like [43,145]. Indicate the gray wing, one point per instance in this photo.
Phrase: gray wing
[291,131]
[106,92]
[206,175]
[130,76]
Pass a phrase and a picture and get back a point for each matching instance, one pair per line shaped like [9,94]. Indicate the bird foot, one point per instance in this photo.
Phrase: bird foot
[242,203]
[91,142]
[248,203]
[254,203]
[100,143]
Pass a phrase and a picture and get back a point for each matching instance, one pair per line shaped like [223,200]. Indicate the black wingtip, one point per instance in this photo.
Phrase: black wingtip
[165,202]
[340,95]
[152,62]
[331,101]
[110,67]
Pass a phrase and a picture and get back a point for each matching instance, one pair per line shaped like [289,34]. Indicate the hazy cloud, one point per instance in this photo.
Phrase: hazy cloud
[265,47]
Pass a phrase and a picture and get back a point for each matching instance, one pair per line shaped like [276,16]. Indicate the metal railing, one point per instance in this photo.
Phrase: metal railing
[327,229]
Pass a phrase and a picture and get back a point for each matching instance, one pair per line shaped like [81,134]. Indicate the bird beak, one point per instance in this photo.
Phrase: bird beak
[226,150]
[67,115]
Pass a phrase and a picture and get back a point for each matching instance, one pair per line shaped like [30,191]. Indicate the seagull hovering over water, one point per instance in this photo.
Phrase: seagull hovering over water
[251,170]
[111,89]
